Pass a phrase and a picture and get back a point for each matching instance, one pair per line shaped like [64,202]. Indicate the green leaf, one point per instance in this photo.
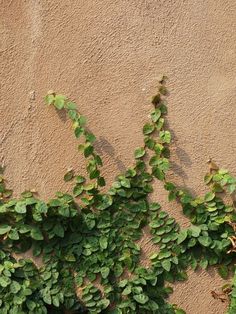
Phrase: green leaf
[195,231]
[205,240]
[165,136]
[55,301]
[82,121]
[103,304]
[73,115]
[36,233]
[103,242]
[148,128]
[88,150]
[223,271]
[158,173]
[79,280]
[141,298]
[163,164]
[59,101]
[47,298]
[20,207]
[208,178]
[31,305]
[153,256]
[155,115]
[4,229]
[127,290]
[94,174]
[154,161]
[154,206]
[169,186]
[153,306]
[125,182]
[231,188]
[105,272]
[118,270]
[15,287]
[101,181]
[70,105]
[78,189]
[78,132]
[69,176]
[90,137]
[49,99]
[149,142]
[106,202]
[58,230]
[13,234]
[80,179]
[159,124]
[4,281]
[209,196]
[123,283]
[90,223]
[164,254]
[182,236]
[41,207]
[156,239]
[70,257]
[139,152]
[203,263]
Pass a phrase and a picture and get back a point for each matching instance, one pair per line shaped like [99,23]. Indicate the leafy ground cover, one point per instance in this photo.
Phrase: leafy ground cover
[88,239]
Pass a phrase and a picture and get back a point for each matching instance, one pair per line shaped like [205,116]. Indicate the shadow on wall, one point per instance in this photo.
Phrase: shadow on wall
[103,146]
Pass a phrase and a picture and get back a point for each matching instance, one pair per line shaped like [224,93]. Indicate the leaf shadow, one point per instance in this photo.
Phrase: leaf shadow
[103,146]
[62,115]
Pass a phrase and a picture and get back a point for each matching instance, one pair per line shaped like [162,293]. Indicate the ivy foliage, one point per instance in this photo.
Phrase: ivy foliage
[88,240]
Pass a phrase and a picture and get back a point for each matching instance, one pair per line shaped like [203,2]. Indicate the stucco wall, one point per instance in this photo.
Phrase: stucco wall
[108,55]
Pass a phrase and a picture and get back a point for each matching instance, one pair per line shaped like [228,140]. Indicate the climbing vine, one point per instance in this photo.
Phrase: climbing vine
[88,240]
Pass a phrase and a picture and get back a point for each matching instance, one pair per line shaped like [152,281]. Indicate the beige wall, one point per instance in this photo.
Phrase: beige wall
[108,55]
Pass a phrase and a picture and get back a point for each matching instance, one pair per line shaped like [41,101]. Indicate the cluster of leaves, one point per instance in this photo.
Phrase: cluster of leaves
[87,241]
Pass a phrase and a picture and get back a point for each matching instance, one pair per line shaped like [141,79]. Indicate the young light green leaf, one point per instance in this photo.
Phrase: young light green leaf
[166,264]
[105,272]
[148,128]
[103,242]
[141,298]
[59,101]
[165,136]
[4,229]
[139,152]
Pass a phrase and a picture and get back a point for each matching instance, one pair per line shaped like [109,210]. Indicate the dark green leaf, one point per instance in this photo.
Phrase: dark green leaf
[182,236]
[69,175]
[36,233]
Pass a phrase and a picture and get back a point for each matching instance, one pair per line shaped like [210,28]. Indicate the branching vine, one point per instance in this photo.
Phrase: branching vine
[87,240]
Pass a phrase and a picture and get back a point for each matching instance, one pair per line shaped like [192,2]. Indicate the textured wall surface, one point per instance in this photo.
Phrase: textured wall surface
[107,55]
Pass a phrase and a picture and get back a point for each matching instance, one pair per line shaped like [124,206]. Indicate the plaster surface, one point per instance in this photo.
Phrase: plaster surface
[107,55]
